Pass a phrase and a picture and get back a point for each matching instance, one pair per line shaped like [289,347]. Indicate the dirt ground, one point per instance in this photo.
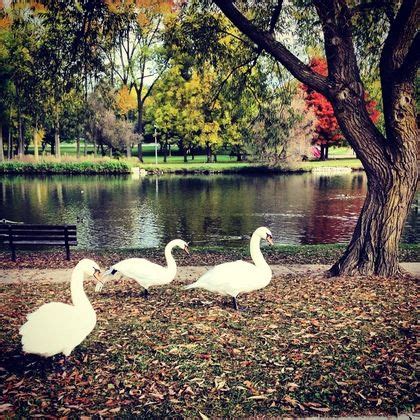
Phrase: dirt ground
[185,273]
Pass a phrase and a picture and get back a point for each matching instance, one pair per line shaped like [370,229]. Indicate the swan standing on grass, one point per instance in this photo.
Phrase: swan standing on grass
[57,327]
[232,278]
[146,273]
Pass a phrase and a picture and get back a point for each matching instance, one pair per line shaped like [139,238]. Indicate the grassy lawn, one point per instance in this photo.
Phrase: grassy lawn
[304,346]
[339,157]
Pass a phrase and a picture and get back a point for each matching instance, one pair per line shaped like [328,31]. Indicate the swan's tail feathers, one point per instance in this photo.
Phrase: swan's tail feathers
[191,286]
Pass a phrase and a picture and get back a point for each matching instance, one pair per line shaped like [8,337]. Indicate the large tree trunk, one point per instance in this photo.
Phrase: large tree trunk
[391,168]
[374,245]
[390,162]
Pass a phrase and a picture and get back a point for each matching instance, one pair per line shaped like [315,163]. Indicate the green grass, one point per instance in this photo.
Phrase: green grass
[174,164]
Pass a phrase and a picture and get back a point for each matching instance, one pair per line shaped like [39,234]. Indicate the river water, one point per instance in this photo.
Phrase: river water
[117,212]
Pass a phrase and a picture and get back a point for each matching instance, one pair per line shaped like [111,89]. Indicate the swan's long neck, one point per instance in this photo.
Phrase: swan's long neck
[78,295]
[170,260]
[256,254]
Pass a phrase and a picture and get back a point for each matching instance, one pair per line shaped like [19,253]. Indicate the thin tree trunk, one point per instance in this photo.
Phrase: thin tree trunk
[20,134]
[128,150]
[165,151]
[139,126]
[1,143]
[208,153]
[78,144]
[9,137]
[323,155]
[36,145]
[57,150]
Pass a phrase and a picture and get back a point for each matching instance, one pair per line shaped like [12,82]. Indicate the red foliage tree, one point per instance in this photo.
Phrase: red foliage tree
[326,127]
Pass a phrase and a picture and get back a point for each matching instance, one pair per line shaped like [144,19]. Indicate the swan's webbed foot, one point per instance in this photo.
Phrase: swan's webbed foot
[146,294]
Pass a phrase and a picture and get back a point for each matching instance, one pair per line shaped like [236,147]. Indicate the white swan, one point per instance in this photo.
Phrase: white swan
[58,328]
[236,277]
[146,273]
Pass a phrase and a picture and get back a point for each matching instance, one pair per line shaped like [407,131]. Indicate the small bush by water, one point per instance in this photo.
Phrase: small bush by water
[106,166]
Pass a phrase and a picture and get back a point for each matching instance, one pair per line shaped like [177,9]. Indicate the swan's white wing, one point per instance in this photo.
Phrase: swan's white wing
[231,278]
[56,328]
[143,271]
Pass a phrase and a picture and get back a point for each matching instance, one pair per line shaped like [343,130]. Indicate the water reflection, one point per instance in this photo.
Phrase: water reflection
[119,212]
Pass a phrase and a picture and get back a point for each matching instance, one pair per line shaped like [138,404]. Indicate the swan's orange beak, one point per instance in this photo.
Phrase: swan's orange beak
[270,239]
[186,249]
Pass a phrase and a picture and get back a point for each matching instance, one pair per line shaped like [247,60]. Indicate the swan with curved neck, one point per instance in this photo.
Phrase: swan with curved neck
[233,278]
[58,328]
[146,273]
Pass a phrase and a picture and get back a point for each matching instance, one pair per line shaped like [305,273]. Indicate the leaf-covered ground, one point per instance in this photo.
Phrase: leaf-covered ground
[292,254]
[304,346]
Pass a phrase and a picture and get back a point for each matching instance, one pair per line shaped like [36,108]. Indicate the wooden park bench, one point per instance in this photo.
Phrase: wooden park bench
[20,234]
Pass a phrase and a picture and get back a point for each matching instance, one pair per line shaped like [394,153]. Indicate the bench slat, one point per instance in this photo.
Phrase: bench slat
[17,238]
[35,227]
[38,231]
[46,242]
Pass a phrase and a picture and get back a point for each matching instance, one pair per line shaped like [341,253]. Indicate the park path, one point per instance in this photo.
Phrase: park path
[189,273]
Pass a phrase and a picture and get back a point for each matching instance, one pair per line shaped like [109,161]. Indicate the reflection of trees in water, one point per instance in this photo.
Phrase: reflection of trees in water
[335,207]
[116,212]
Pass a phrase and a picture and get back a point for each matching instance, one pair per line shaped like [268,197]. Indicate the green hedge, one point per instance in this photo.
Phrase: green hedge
[87,167]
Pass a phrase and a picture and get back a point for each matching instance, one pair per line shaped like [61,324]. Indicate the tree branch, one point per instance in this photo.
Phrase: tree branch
[401,37]
[266,41]
[411,61]
[275,16]
[379,4]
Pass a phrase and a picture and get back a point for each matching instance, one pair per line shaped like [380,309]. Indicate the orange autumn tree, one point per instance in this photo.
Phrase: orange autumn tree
[327,130]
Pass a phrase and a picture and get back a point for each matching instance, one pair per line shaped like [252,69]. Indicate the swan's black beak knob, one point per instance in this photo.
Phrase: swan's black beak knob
[97,275]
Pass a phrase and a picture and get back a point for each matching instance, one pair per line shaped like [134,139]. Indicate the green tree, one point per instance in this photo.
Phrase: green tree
[138,59]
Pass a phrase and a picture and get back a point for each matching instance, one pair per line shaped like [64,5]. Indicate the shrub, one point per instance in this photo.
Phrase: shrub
[66,167]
